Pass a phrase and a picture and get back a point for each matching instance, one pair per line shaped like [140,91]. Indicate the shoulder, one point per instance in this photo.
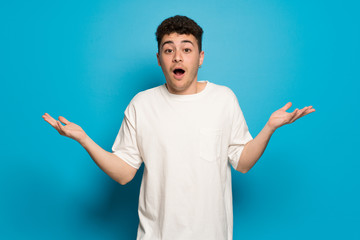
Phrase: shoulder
[222,91]
[142,100]
[146,95]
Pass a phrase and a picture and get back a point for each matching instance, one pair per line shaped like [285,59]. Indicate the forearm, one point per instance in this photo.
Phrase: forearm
[254,149]
[111,164]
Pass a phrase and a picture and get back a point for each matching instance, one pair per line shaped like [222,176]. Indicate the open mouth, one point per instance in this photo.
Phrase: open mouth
[178,72]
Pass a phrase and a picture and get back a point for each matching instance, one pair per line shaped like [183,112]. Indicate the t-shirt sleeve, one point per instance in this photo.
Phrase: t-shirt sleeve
[240,134]
[125,145]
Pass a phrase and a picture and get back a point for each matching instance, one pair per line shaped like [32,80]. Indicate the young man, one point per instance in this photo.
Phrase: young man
[188,134]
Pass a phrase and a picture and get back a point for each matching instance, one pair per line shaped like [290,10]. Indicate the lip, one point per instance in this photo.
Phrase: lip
[178,76]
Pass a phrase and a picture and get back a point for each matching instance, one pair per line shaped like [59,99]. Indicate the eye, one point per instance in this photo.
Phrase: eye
[187,50]
[167,50]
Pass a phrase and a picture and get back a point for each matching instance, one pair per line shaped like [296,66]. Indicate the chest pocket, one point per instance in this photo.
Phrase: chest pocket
[210,144]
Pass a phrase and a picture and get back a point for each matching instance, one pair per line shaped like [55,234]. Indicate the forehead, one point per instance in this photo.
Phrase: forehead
[178,38]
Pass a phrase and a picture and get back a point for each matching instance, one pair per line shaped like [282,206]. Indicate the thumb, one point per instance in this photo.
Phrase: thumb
[287,106]
[63,120]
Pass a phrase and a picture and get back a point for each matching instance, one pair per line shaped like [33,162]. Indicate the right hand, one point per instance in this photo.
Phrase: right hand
[70,129]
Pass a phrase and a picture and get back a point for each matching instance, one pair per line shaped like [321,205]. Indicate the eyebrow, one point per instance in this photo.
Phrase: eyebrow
[171,42]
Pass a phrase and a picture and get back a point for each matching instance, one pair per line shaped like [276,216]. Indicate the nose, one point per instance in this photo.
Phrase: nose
[177,57]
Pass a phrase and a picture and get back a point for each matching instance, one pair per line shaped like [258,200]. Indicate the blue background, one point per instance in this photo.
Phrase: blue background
[85,60]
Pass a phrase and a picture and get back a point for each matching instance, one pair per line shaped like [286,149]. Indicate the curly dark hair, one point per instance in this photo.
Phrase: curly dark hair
[181,25]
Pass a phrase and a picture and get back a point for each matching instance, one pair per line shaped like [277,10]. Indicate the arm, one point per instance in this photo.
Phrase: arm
[255,148]
[111,164]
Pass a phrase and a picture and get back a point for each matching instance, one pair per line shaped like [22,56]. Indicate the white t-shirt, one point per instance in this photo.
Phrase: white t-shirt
[188,144]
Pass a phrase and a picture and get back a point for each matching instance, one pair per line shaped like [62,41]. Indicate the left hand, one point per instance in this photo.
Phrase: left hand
[281,117]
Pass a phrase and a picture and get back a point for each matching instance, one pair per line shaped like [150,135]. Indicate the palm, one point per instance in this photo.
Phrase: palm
[70,129]
[281,117]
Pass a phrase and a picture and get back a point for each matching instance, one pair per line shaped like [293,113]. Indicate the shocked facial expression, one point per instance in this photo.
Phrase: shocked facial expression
[179,58]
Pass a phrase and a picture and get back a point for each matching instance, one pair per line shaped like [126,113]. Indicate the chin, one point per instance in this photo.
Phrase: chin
[179,85]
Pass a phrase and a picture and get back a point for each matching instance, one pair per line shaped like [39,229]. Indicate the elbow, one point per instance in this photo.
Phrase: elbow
[243,170]
[122,182]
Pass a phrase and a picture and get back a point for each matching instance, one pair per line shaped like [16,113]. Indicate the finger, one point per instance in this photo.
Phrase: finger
[291,120]
[47,116]
[64,120]
[50,120]
[307,111]
[302,112]
[287,106]
[310,109]
[61,128]
[294,115]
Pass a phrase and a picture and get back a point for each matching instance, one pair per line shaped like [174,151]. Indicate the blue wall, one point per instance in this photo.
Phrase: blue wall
[85,60]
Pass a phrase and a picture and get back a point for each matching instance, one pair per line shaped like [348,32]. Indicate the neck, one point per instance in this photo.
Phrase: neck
[200,86]
[193,88]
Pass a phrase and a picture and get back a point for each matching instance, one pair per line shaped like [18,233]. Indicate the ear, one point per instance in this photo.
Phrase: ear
[158,59]
[201,59]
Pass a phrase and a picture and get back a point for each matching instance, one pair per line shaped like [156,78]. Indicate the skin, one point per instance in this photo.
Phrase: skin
[180,50]
[111,164]
[177,50]
[255,148]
